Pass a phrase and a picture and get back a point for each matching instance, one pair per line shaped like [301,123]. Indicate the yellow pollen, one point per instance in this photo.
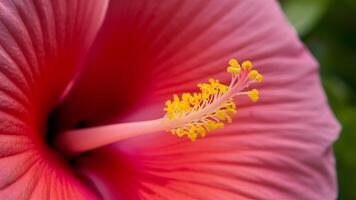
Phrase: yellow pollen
[193,115]
[254,95]
[233,63]
[234,67]
[247,65]
[259,78]
[252,75]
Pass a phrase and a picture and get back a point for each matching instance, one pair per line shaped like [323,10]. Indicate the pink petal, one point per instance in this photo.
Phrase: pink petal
[279,148]
[41,44]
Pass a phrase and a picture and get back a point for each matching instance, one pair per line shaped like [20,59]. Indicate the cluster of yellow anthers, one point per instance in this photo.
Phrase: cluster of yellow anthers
[195,114]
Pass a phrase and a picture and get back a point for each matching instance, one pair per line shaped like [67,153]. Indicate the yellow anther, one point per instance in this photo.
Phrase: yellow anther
[192,135]
[254,95]
[252,74]
[234,67]
[180,132]
[247,65]
[220,114]
[259,78]
[234,63]
[193,115]
[201,131]
[233,70]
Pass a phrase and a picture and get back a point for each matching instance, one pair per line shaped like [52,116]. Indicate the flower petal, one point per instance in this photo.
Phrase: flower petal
[42,43]
[279,148]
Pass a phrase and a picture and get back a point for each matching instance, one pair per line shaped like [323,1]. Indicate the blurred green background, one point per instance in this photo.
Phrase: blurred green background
[328,28]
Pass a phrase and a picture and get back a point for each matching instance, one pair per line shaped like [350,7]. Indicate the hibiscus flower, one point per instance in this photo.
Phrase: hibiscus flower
[91,68]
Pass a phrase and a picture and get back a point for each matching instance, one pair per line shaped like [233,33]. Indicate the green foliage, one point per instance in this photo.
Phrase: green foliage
[304,14]
[328,27]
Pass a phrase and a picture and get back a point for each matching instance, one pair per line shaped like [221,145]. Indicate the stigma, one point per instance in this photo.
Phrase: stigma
[192,115]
